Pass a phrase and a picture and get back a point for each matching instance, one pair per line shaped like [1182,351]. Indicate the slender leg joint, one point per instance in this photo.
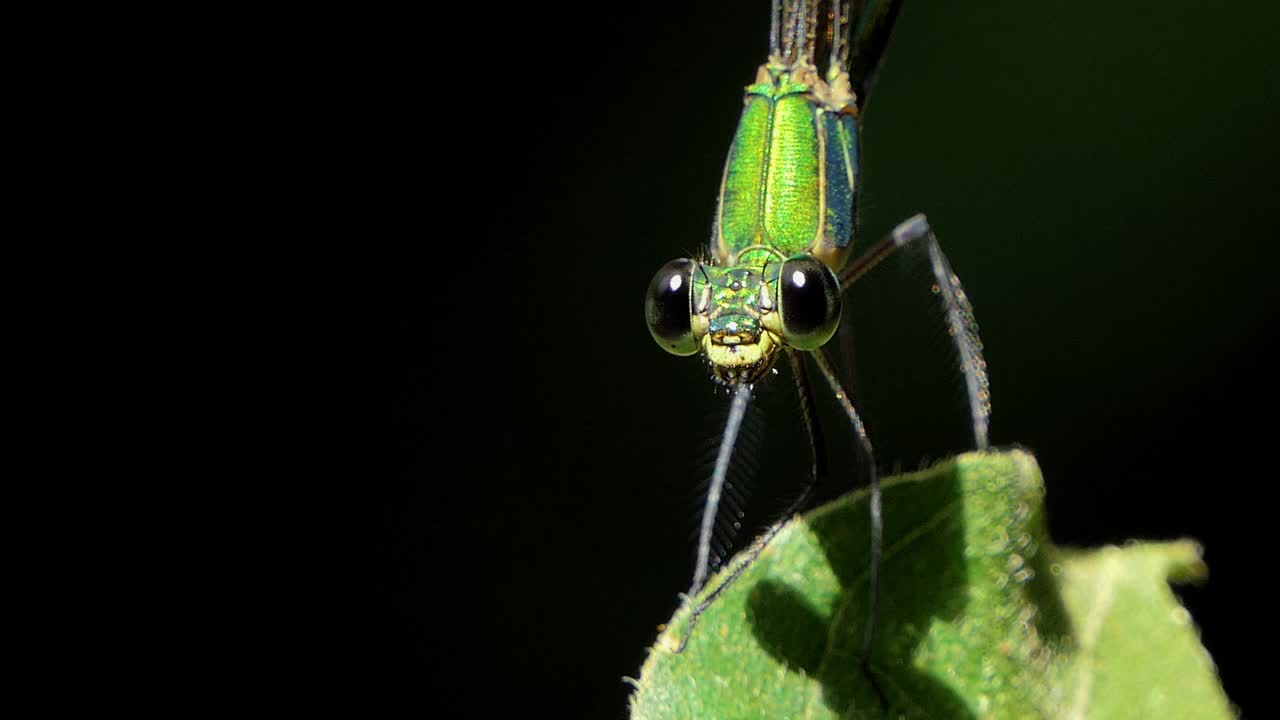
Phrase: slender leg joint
[913,228]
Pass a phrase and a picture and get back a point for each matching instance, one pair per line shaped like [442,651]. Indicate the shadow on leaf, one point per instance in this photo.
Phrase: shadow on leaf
[922,578]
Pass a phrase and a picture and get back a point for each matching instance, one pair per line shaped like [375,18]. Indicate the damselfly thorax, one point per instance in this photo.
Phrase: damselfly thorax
[783,228]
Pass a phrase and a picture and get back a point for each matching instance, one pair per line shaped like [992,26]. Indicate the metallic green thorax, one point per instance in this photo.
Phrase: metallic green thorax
[789,187]
[791,176]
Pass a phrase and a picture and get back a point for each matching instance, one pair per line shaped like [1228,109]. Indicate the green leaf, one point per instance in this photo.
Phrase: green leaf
[980,616]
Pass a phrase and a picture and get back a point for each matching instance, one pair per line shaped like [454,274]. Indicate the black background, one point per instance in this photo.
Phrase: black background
[497,501]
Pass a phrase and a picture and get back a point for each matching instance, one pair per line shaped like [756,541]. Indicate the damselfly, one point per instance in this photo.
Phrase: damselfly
[778,261]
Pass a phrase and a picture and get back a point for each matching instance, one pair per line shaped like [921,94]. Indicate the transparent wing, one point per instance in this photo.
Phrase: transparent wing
[871,23]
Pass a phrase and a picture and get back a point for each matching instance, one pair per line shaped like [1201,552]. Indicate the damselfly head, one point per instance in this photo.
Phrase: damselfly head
[740,316]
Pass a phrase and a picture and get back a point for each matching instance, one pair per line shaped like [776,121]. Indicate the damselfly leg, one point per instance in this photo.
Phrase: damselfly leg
[963,331]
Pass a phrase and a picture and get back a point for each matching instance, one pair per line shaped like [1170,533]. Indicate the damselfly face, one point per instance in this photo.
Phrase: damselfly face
[739,316]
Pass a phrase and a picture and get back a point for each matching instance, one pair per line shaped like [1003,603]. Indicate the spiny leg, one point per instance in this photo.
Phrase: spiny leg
[838,40]
[790,19]
[799,20]
[812,424]
[775,32]
[819,471]
[809,33]
[961,325]
[873,483]
[737,410]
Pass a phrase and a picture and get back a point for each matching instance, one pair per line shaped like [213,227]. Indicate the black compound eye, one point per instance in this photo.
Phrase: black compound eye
[668,309]
[809,302]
